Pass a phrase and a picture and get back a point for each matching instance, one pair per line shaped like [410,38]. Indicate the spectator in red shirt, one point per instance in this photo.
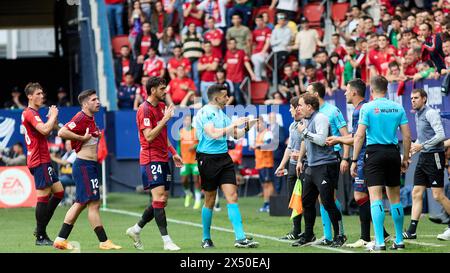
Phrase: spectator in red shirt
[144,41]
[446,49]
[215,36]
[181,89]
[114,11]
[207,66]
[431,46]
[192,15]
[383,56]
[410,62]
[261,46]
[311,75]
[235,61]
[123,64]
[338,48]
[176,61]
[154,65]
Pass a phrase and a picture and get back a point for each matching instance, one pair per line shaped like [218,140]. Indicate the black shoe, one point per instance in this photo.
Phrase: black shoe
[304,240]
[339,241]
[409,236]
[442,218]
[207,243]
[290,236]
[245,243]
[397,246]
[43,240]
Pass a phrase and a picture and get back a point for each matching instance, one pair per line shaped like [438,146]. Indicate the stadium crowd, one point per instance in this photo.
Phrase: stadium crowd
[379,37]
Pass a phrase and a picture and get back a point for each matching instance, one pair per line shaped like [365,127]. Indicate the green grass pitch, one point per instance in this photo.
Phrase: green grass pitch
[17,226]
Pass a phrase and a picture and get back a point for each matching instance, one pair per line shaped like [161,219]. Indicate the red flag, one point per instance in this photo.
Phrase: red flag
[102,148]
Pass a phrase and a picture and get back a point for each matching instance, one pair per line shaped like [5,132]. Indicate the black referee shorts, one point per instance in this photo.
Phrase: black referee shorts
[430,170]
[215,170]
[382,165]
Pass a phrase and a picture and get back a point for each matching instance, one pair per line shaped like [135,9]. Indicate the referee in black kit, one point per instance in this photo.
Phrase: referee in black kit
[378,124]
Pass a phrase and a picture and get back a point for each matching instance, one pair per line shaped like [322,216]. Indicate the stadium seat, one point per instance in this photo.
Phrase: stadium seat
[271,13]
[320,31]
[338,11]
[313,12]
[119,41]
[259,91]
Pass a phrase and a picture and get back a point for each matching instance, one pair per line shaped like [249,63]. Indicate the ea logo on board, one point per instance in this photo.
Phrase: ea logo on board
[15,187]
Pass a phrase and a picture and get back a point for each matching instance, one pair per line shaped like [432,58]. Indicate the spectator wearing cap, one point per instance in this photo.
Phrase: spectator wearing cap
[144,41]
[192,49]
[306,42]
[215,36]
[123,64]
[236,61]
[176,61]
[114,11]
[63,98]
[261,46]
[15,101]
[279,41]
[207,66]
[181,89]
[153,65]
[240,33]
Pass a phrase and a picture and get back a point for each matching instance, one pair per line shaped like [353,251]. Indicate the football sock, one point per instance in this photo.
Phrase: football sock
[377,211]
[65,231]
[364,218]
[397,217]
[53,204]
[147,216]
[160,218]
[236,220]
[41,214]
[413,226]
[101,234]
[206,222]
[198,195]
[341,223]
[326,223]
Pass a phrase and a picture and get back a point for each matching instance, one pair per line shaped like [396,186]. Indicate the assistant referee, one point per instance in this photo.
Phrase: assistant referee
[378,124]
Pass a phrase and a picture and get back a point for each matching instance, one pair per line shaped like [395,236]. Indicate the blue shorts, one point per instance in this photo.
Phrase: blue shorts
[44,176]
[156,174]
[266,175]
[85,174]
[359,182]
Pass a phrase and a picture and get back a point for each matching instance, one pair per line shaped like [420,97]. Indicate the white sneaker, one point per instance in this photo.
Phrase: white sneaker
[136,237]
[444,236]
[171,246]
[358,244]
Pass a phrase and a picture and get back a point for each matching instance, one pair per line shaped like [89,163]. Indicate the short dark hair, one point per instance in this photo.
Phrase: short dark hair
[359,85]
[237,13]
[215,89]
[31,87]
[421,92]
[154,82]
[319,88]
[85,94]
[350,43]
[294,101]
[20,144]
[393,64]
[309,66]
[379,84]
[397,18]
[221,70]
[311,100]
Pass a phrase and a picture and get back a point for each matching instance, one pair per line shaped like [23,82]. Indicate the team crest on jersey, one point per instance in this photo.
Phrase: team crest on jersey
[72,125]
[146,122]
[38,118]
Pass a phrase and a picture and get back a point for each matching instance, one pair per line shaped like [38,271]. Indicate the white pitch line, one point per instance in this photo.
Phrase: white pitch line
[223,229]
[422,243]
